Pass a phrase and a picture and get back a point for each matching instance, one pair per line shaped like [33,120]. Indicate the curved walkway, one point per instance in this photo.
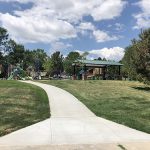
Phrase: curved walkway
[71,122]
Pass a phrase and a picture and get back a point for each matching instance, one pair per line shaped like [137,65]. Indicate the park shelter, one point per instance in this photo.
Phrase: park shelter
[93,68]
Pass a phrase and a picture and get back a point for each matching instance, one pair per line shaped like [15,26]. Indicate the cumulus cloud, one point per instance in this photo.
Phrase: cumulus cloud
[113,7]
[143,17]
[53,20]
[86,26]
[30,30]
[102,36]
[115,53]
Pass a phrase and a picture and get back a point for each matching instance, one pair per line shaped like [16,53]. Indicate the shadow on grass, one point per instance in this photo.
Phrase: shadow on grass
[142,88]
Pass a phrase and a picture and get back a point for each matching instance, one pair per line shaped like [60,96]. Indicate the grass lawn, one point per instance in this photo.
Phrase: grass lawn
[21,105]
[124,102]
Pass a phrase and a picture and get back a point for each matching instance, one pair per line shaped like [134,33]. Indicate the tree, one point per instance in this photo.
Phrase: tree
[99,58]
[16,54]
[72,56]
[28,59]
[142,57]
[54,65]
[1,58]
[137,58]
[129,67]
[104,59]
[3,40]
[39,57]
[48,66]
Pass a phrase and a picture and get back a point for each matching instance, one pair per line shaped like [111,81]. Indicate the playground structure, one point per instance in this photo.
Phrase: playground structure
[17,73]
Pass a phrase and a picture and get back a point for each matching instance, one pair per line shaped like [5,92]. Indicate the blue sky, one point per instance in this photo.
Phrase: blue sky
[101,27]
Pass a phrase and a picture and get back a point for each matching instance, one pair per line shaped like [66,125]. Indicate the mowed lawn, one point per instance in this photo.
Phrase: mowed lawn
[21,105]
[125,102]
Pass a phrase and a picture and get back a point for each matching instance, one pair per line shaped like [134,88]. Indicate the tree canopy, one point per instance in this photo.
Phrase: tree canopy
[72,56]
[137,58]
[54,64]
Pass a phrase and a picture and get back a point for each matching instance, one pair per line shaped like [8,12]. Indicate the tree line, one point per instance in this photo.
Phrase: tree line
[12,53]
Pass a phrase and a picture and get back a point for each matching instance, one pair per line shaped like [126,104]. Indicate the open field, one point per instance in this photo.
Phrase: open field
[21,105]
[124,102]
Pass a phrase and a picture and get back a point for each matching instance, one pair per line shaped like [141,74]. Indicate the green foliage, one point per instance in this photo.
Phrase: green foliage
[35,58]
[137,58]
[48,66]
[129,68]
[16,54]
[23,74]
[54,65]
[142,60]
[72,56]
[1,58]
[39,57]
[99,58]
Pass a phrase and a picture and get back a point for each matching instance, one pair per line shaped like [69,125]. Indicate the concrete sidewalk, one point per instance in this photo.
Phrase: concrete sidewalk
[71,122]
[104,146]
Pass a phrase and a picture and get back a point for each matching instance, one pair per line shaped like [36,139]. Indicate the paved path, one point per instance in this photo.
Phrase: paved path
[71,122]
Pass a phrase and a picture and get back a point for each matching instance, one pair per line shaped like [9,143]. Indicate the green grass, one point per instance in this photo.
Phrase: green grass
[124,102]
[21,105]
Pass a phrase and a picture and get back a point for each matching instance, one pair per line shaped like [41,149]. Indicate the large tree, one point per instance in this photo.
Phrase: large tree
[54,64]
[16,54]
[129,67]
[142,57]
[72,56]
[137,57]
[39,57]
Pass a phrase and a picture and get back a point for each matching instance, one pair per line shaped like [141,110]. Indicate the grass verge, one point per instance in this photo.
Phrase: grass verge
[124,102]
[21,105]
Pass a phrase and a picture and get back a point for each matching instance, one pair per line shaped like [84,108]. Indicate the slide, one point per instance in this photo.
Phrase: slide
[11,77]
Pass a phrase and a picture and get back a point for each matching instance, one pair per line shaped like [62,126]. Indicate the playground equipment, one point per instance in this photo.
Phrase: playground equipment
[17,73]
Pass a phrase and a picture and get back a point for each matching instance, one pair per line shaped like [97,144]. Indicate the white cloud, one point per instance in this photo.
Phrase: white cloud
[143,17]
[72,10]
[102,36]
[60,46]
[86,29]
[115,53]
[52,20]
[86,26]
[30,30]
[109,9]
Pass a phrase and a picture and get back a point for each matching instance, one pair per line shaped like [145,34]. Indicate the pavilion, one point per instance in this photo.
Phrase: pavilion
[92,68]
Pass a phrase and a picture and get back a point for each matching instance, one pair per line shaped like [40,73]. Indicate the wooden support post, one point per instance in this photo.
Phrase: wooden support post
[74,72]
[99,73]
[104,73]
[119,70]
[84,74]
[120,77]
